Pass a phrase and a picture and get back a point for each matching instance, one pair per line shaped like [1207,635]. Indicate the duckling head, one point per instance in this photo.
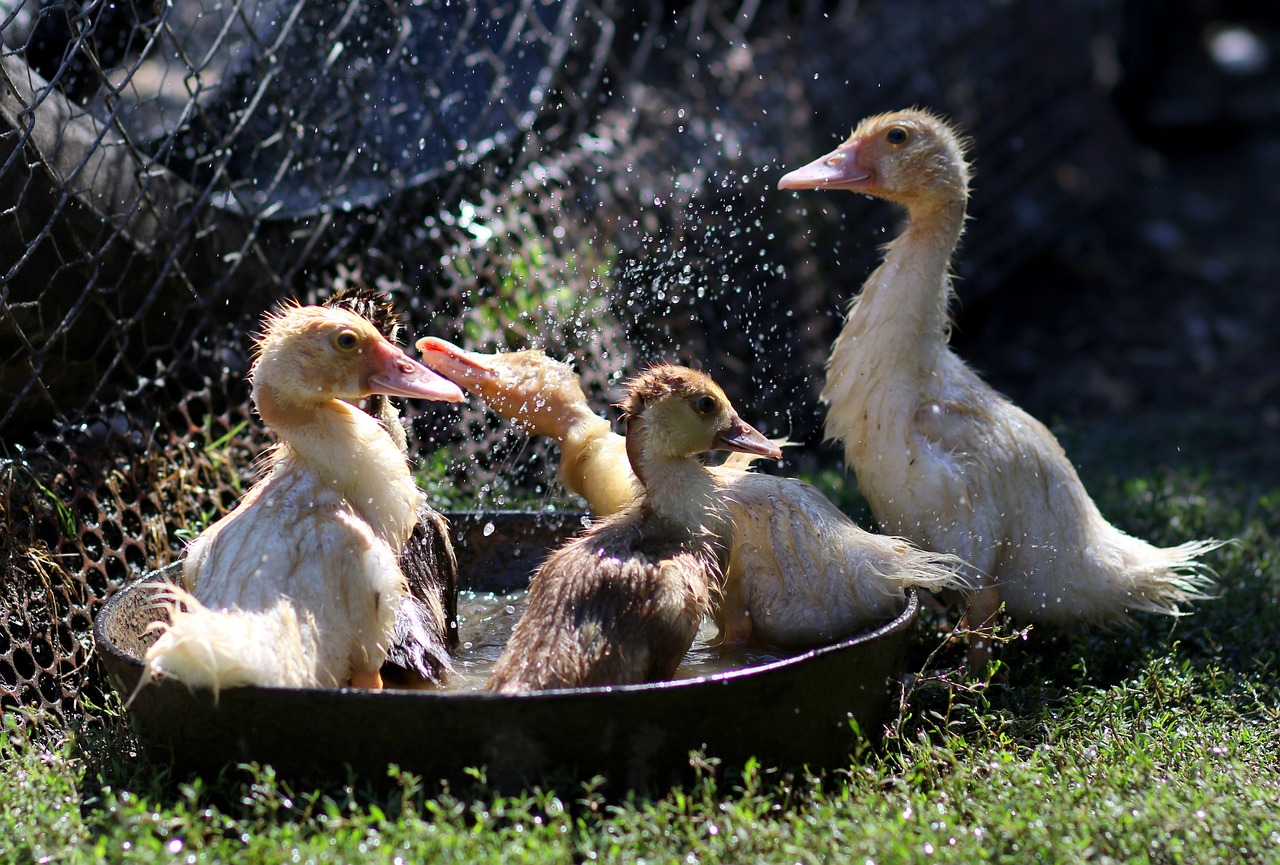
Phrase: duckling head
[911,157]
[674,412]
[372,304]
[308,355]
[376,307]
[541,394]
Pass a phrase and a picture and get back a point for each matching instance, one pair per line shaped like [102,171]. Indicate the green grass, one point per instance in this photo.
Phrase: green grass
[1156,743]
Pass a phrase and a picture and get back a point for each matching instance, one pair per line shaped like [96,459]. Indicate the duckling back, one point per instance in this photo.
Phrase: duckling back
[803,573]
[618,605]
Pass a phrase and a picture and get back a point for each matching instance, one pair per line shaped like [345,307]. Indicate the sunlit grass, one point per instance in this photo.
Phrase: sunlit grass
[1156,743]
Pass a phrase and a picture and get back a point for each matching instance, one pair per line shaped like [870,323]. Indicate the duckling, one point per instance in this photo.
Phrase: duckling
[942,457]
[621,603]
[799,571]
[298,586]
[544,396]
[419,650]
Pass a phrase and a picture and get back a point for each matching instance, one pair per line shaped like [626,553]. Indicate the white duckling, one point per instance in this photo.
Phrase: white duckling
[940,456]
[419,654]
[298,586]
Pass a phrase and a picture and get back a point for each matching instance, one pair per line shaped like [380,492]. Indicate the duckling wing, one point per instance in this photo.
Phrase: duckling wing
[298,541]
[806,573]
[926,464]
[641,618]
[426,623]
[1032,526]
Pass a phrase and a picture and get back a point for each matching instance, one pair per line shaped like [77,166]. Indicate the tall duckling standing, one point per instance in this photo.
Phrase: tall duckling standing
[298,586]
[799,571]
[621,603]
[940,456]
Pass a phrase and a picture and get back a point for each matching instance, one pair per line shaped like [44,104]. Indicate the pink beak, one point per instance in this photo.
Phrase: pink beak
[746,439]
[400,375]
[450,361]
[839,169]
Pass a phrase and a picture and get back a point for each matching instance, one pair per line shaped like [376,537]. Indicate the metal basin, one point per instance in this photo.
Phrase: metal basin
[804,710]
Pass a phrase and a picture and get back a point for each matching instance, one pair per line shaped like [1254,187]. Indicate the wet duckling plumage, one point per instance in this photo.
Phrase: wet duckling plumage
[621,603]
[298,585]
[943,458]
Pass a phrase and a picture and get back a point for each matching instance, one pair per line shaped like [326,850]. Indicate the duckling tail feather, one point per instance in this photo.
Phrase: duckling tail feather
[226,649]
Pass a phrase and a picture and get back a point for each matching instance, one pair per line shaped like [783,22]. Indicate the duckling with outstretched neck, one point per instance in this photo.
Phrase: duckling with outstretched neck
[621,603]
[940,456]
[800,572]
[298,586]
[544,396]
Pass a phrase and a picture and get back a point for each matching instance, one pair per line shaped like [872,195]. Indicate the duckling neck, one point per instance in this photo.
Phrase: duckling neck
[346,448]
[581,430]
[904,303]
[594,466]
[677,489]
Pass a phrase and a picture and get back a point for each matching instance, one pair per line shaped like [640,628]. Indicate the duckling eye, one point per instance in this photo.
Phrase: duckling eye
[347,340]
[896,135]
[705,404]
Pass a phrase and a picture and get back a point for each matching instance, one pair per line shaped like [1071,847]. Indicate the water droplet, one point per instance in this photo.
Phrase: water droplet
[489,528]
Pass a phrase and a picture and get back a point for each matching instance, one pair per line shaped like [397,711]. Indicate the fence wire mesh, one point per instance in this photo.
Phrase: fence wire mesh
[586,176]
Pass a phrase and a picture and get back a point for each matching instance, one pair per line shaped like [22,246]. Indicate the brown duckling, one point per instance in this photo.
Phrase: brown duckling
[621,603]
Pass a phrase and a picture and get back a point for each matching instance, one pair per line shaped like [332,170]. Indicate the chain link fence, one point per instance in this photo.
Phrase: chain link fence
[586,176]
